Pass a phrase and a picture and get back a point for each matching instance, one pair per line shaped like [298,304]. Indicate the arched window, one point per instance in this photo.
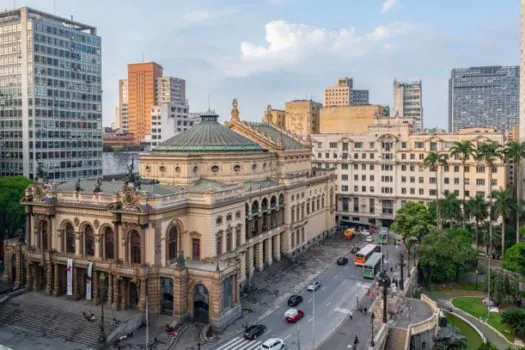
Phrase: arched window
[238,237]
[135,253]
[89,241]
[219,243]
[273,202]
[70,239]
[172,242]
[255,207]
[43,235]
[218,221]
[281,199]
[322,202]
[195,249]
[318,202]
[264,204]
[109,243]
[229,241]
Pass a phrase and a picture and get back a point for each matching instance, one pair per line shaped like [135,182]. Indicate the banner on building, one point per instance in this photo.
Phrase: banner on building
[69,270]
[88,280]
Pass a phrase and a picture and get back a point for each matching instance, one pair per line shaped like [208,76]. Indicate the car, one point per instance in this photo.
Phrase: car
[254,331]
[342,261]
[312,287]
[355,250]
[273,344]
[295,300]
[293,315]
[369,239]
[365,233]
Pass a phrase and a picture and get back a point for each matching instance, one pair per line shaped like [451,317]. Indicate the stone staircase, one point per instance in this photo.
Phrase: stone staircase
[396,339]
[53,322]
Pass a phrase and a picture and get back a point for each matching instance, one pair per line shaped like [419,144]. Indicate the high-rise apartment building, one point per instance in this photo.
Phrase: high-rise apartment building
[343,94]
[302,117]
[142,79]
[484,97]
[522,71]
[122,108]
[50,96]
[380,170]
[408,101]
[168,119]
[170,90]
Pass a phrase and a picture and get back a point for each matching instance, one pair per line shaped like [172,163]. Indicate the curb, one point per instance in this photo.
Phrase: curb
[484,323]
[469,323]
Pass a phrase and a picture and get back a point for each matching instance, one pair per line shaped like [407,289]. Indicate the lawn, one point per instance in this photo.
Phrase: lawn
[475,307]
[473,339]
[442,291]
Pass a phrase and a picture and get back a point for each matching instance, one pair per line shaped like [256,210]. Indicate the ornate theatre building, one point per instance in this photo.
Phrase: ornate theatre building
[209,208]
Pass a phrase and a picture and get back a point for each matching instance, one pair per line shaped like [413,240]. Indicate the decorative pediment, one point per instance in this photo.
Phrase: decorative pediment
[388,137]
[130,197]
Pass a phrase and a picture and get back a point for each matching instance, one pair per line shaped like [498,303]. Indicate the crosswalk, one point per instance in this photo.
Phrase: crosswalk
[239,343]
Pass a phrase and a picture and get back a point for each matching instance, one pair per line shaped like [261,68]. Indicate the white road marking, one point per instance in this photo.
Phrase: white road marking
[250,346]
[310,320]
[343,311]
[230,343]
[288,336]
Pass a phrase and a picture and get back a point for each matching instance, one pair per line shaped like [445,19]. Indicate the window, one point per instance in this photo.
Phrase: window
[421,179]
[356,166]
[467,181]
[333,144]
[412,179]
[344,188]
[403,156]
[229,241]
[218,221]
[467,168]
[215,168]
[319,155]
[421,156]
[432,192]
[109,243]
[356,155]
[363,177]
[344,177]
[456,181]
[237,237]
[403,167]
[358,145]
[433,146]
[420,145]
[421,191]
[237,214]
[237,168]
[371,145]
[372,156]
[89,241]
[363,188]
[172,243]
[356,188]
[403,179]
[480,182]
[480,169]
[456,168]
[403,145]
[327,155]
[494,169]
[70,239]
[345,146]
[195,249]
[372,177]
[446,168]
[344,166]
[412,191]
[412,156]
[356,177]
[494,182]
[446,180]
[372,167]
[404,190]
[135,247]
[218,249]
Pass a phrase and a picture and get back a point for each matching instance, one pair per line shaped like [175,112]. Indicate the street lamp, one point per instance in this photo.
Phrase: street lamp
[372,318]
[384,281]
[102,289]
[402,266]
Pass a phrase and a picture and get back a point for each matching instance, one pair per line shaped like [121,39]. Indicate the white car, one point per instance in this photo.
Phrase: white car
[273,344]
[365,233]
[313,286]
[369,239]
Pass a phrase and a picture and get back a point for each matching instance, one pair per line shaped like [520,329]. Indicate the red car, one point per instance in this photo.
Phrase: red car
[293,315]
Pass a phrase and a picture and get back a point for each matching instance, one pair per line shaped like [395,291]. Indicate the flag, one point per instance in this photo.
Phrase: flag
[69,270]
[88,280]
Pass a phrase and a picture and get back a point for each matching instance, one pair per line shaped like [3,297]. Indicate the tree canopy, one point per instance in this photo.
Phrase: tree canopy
[514,258]
[412,221]
[12,214]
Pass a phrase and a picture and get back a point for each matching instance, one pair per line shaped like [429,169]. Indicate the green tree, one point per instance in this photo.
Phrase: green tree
[515,319]
[433,161]
[12,214]
[514,259]
[412,221]
[486,346]
[477,209]
[515,152]
[450,208]
[503,206]
[464,150]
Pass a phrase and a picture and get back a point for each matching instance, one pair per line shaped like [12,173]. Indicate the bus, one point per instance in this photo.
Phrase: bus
[349,233]
[372,265]
[383,237]
[362,256]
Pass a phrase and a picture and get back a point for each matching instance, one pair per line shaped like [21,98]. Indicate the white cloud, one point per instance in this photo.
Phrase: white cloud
[199,16]
[289,44]
[388,5]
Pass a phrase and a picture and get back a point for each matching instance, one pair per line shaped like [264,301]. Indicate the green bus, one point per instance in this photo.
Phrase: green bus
[383,237]
[372,265]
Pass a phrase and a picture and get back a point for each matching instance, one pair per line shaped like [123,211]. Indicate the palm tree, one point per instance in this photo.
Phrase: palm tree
[515,152]
[477,209]
[450,208]
[503,206]
[434,160]
[463,149]
[489,152]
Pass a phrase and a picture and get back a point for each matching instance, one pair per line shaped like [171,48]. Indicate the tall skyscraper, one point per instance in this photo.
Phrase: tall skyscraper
[408,101]
[484,97]
[50,96]
[170,90]
[141,97]
[122,108]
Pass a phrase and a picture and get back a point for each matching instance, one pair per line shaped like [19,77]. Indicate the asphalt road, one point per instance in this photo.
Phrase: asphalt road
[325,310]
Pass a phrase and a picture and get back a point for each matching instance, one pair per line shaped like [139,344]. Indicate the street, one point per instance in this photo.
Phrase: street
[325,310]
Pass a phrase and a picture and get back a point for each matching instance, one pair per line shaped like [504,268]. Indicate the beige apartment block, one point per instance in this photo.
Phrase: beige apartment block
[340,94]
[378,171]
[349,119]
[302,117]
[214,205]
[275,117]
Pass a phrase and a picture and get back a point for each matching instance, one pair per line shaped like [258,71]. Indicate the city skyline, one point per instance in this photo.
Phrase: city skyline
[229,49]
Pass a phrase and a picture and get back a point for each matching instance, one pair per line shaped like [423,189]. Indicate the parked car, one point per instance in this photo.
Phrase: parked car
[355,250]
[273,344]
[342,261]
[313,286]
[295,300]
[254,331]
[293,315]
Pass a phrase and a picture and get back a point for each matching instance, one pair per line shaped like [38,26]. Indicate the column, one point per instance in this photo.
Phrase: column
[28,230]
[123,290]
[109,276]
[259,264]
[36,276]
[19,267]
[142,295]
[180,294]
[29,276]
[95,287]
[249,261]
[242,256]
[143,246]
[78,243]
[268,258]
[116,293]
[277,247]
[49,278]
[56,280]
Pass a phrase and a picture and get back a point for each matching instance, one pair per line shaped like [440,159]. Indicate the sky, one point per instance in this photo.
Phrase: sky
[271,51]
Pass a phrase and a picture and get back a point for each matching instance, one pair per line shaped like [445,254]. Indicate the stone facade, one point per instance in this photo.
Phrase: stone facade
[302,117]
[190,234]
[349,119]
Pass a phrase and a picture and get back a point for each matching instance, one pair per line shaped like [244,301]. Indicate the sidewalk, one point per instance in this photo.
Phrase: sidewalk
[491,336]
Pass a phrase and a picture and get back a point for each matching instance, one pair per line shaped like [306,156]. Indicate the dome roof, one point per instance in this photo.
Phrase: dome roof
[208,136]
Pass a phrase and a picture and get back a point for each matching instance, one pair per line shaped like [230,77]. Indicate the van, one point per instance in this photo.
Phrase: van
[273,344]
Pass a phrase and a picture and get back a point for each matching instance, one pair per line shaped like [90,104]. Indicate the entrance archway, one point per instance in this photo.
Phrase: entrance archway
[201,306]
[166,303]
[133,295]
[13,268]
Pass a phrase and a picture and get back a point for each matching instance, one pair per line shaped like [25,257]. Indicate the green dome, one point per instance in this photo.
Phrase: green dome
[208,136]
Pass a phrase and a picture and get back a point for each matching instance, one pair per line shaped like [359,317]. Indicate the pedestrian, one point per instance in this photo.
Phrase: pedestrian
[356,341]
[199,346]
[391,269]
[350,314]
[365,310]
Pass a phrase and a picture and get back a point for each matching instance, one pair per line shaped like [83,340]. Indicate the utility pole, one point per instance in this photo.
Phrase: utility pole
[402,266]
